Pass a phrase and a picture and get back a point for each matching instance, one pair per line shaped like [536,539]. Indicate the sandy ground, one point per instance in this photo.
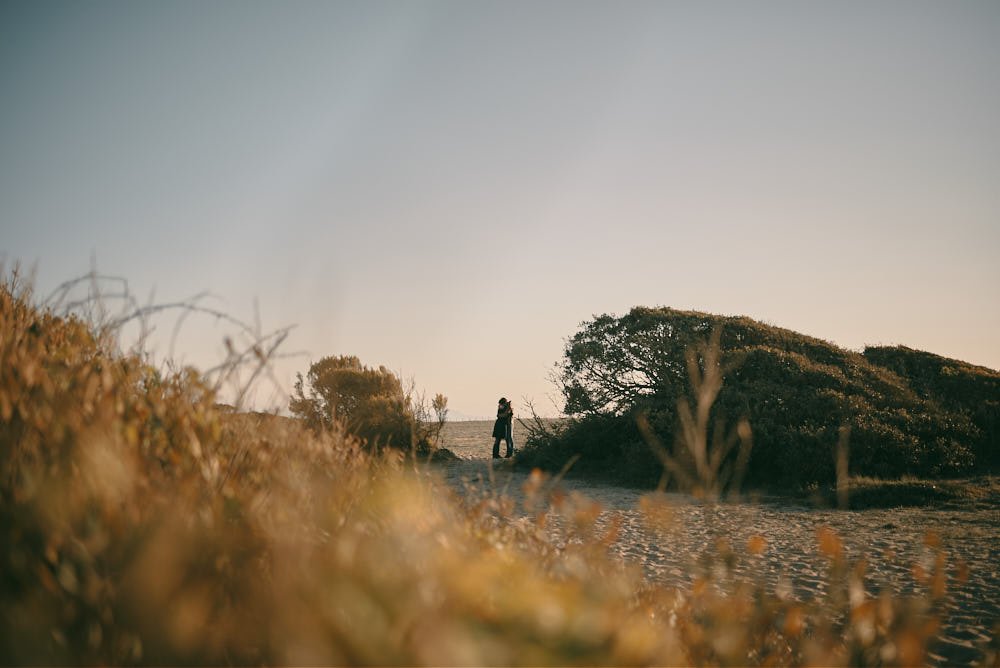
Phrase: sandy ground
[892,540]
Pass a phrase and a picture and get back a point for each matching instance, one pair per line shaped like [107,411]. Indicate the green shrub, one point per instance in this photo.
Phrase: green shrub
[969,391]
[796,392]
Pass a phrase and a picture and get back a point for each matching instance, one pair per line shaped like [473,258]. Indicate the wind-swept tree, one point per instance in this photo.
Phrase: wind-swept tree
[796,392]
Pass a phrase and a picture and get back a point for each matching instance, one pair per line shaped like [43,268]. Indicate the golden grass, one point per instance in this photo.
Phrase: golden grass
[142,524]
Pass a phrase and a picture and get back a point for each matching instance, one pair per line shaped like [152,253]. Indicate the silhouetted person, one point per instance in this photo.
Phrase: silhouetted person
[503,429]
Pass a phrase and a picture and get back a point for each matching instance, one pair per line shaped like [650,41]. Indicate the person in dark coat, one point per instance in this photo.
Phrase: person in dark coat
[503,429]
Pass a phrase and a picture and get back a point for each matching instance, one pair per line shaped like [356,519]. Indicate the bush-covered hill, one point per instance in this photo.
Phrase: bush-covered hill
[909,413]
[958,386]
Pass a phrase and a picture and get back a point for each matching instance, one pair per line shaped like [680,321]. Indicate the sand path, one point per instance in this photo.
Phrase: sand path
[891,539]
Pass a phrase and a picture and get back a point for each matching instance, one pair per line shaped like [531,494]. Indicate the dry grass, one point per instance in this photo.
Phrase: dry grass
[142,524]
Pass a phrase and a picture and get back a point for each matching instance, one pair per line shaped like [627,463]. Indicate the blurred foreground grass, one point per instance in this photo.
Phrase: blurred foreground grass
[140,524]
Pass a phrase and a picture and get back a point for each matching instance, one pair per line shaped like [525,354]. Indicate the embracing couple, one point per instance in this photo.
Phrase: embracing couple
[502,428]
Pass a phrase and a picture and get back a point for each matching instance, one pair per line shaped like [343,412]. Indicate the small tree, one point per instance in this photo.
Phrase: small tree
[440,406]
[369,402]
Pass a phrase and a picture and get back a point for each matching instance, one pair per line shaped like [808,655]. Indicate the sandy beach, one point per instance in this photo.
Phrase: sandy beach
[892,541]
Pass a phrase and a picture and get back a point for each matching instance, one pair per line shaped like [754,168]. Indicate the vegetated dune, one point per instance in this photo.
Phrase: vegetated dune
[909,413]
[957,386]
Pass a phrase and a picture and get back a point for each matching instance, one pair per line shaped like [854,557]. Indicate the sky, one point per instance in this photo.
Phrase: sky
[450,189]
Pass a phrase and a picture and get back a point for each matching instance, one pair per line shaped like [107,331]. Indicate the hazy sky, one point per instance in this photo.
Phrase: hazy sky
[451,188]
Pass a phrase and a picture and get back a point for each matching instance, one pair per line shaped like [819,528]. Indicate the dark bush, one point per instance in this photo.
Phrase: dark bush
[605,446]
[909,413]
[970,391]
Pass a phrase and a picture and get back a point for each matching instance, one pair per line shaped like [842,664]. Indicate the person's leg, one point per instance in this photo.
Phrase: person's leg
[509,437]
[496,448]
